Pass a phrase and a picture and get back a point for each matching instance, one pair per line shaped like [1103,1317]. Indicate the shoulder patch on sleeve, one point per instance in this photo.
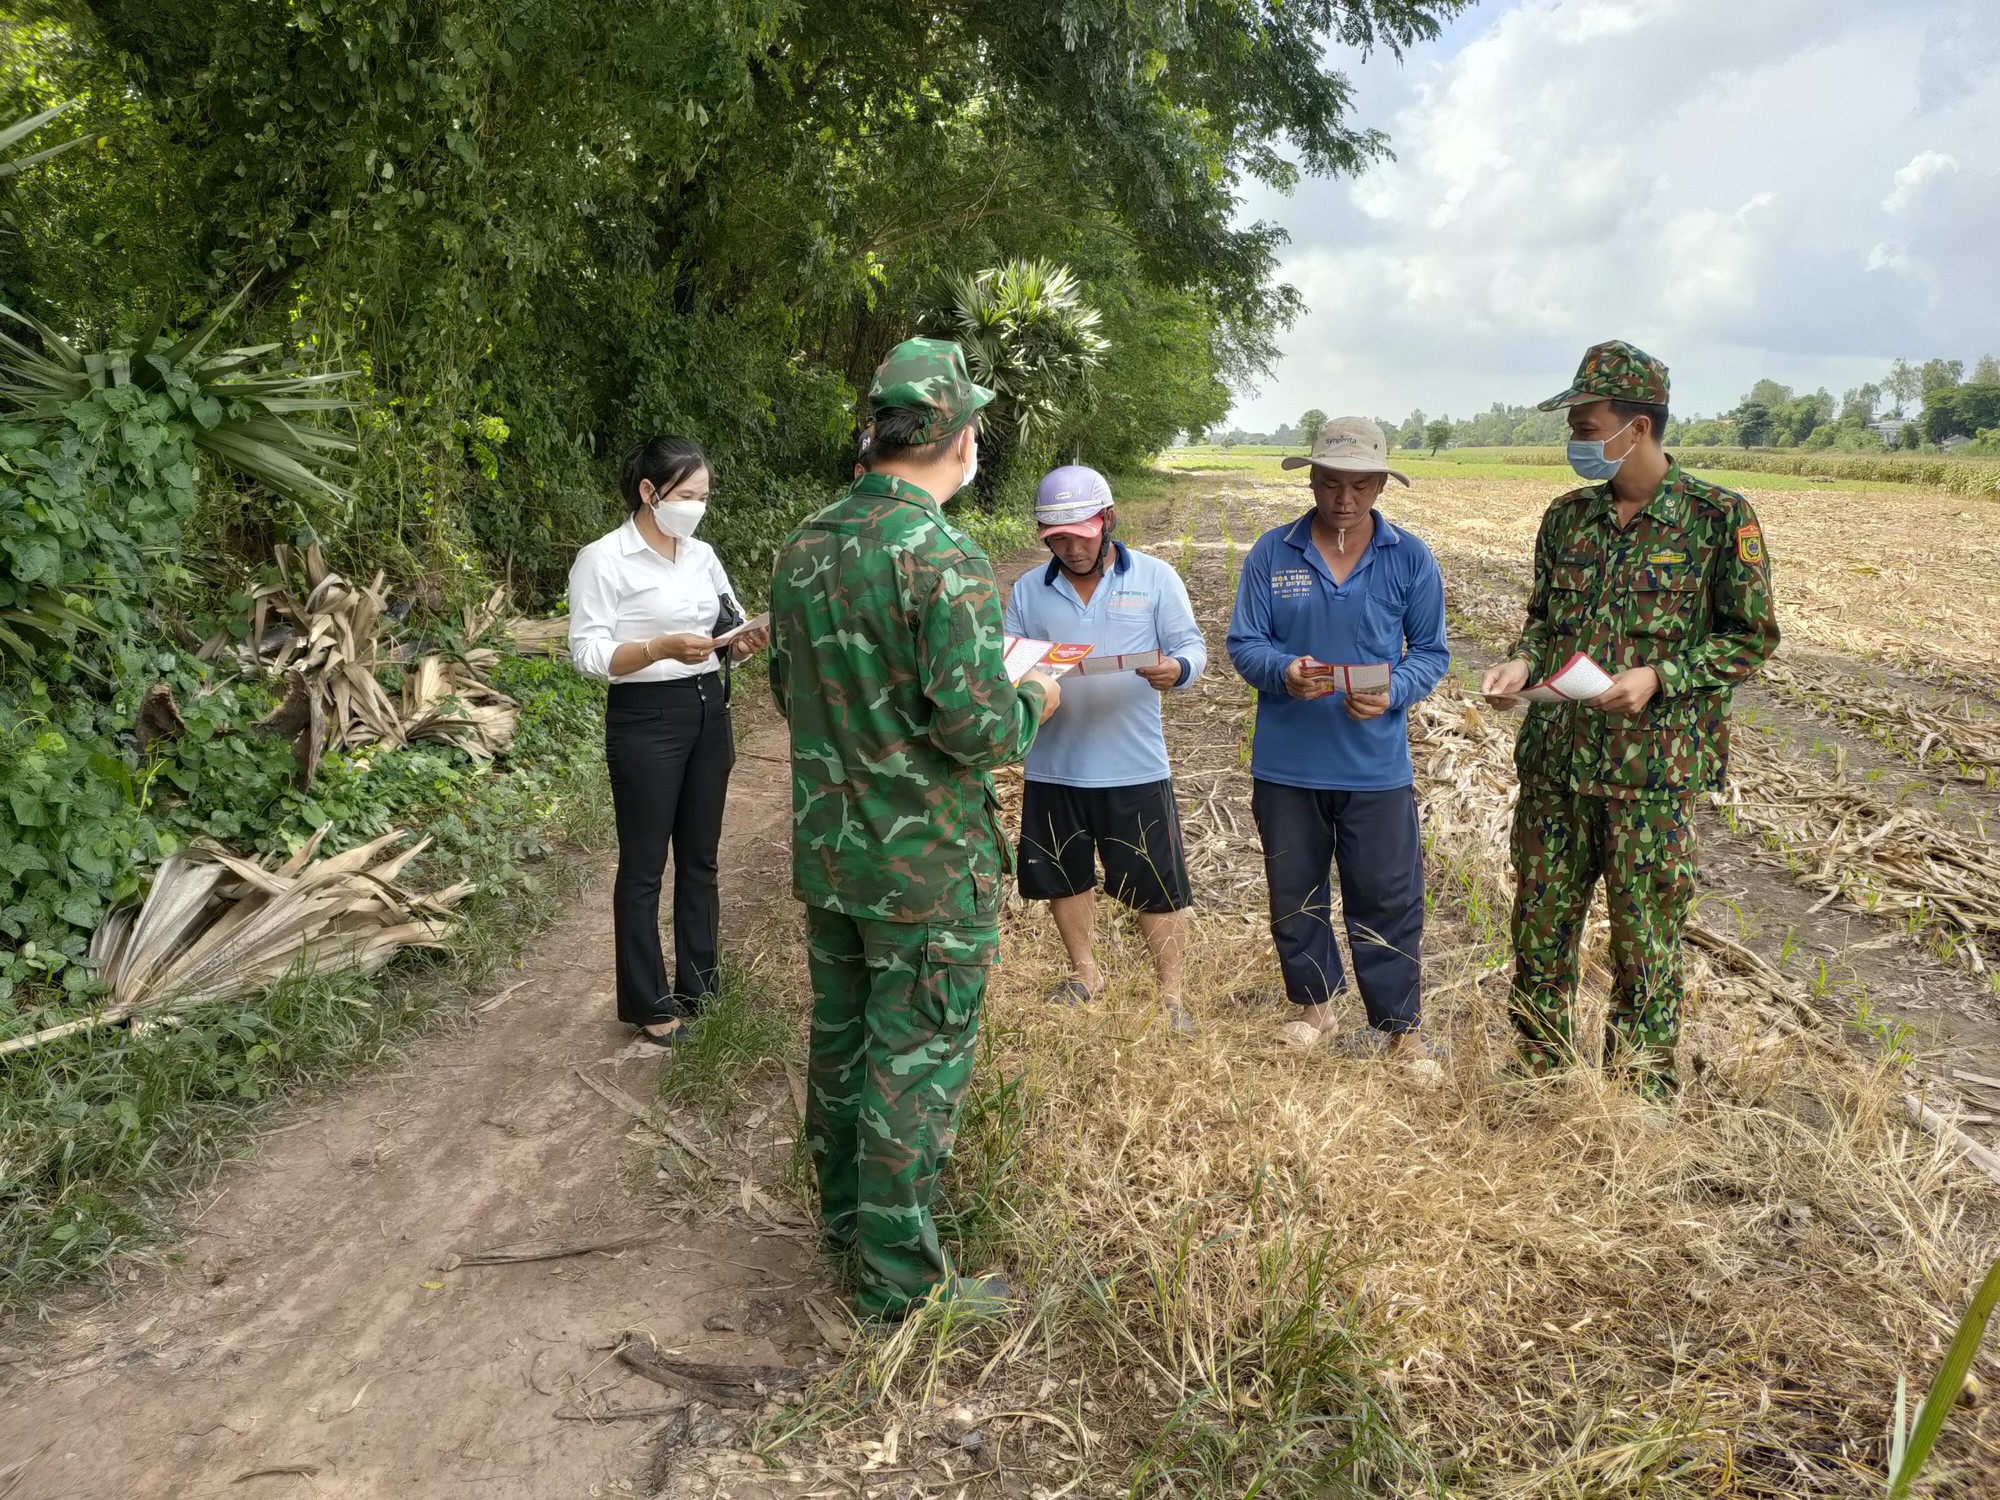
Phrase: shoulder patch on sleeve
[1750,544]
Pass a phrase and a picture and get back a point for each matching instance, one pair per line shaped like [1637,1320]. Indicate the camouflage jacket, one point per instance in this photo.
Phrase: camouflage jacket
[886,659]
[1685,590]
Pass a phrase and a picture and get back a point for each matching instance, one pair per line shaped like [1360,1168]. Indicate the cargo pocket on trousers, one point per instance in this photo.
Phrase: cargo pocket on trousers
[957,961]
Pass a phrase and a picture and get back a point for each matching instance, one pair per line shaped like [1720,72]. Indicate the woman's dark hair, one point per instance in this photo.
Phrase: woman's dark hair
[894,434]
[667,461]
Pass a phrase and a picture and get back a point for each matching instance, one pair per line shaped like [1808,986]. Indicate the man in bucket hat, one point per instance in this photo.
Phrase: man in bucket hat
[1662,579]
[1342,587]
[1097,781]
[886,659]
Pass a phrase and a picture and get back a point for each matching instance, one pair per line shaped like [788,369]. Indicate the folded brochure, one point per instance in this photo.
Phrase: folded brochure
[1579,681]
[1104,665]
[1024,654]
[1348,677]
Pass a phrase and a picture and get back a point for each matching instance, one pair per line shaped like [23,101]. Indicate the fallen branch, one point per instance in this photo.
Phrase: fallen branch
[640,1112]
[623,1413]
[48,1034]
[527,1250]
[739,1387]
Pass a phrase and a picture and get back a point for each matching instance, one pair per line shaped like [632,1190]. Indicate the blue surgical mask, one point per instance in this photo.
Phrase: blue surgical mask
[1589,461]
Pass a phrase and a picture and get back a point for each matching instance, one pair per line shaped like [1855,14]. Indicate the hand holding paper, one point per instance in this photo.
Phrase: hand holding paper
[1579,681]
[762,622]
[1341,677]
[1096,665]
[1023,655]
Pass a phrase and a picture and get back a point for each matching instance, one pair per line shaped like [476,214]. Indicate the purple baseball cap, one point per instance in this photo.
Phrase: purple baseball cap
[1070,500]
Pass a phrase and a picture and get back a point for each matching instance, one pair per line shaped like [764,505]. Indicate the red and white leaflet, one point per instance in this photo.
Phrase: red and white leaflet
[1128,661]
[1579,681]
[1348,677]
[1024,654]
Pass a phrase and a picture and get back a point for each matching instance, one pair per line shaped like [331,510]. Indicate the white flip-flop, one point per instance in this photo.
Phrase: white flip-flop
[1301,1034]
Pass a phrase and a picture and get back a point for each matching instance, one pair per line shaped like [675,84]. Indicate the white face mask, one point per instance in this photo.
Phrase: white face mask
[679,517]
[972,468]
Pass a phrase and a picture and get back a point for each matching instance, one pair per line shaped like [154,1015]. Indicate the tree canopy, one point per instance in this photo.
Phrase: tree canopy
[540,230]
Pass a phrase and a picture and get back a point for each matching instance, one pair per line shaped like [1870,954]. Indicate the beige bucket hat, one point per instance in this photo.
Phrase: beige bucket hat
[1354,444]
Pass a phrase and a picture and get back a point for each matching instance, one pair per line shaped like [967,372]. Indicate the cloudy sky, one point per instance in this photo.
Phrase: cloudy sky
[1789,188]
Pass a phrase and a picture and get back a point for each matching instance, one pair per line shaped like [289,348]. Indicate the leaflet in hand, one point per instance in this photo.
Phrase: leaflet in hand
[757,624]
[1347,677]
[1095,665]
[1579,681]
[1024,654]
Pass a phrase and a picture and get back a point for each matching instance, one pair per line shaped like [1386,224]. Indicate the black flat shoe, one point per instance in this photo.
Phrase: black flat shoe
[673,1036]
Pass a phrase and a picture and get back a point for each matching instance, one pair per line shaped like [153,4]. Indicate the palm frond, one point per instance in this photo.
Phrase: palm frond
[250,431]
[1027,333]
[20,130]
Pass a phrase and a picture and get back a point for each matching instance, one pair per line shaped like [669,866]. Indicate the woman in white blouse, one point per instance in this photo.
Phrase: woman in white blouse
[645,605]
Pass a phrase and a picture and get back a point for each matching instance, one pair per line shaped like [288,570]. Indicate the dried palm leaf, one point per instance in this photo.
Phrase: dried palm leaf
[442,700]
[532,636]
[329,638]
[218,926]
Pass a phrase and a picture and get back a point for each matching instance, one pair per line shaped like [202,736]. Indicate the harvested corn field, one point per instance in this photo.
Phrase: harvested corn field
[1259,1271]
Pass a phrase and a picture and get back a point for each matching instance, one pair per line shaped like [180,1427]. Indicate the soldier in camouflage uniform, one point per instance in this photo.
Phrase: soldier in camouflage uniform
[886,659]
[1662,579]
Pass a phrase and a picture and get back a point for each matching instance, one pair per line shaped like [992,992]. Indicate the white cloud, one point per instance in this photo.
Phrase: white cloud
[1925,167]
[1706,178]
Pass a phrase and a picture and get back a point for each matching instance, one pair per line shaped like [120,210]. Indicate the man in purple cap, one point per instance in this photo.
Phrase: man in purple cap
[1098,784]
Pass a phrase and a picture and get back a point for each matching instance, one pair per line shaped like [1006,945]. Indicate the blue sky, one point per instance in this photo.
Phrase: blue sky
[1802,189]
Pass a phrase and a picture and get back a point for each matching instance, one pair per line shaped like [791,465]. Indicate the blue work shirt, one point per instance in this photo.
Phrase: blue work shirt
[1107,732]
[1390,609]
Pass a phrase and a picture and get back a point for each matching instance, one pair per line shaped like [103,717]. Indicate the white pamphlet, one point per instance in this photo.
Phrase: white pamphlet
[1579,681]
[1023,654]
[757,624]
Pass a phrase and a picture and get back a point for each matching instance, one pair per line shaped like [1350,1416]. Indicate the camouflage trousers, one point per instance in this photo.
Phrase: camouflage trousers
[1563,842]
[895,1017]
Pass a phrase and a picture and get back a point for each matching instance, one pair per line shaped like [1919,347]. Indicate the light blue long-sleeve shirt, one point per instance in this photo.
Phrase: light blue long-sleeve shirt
[1390,609]
[1107,732]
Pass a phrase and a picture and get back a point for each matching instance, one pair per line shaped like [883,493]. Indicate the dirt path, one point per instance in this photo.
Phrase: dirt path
[311,1338]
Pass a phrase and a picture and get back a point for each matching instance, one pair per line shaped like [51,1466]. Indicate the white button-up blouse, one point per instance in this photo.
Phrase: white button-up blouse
[621,590]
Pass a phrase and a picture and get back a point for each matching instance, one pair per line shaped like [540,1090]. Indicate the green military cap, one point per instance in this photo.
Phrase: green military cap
[928,376]
[1614,372]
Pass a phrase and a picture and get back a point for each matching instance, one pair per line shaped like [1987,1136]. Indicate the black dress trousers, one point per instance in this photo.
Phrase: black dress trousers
[670,749]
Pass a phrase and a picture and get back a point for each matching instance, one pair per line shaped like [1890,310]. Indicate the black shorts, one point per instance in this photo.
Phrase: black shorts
[1136,830]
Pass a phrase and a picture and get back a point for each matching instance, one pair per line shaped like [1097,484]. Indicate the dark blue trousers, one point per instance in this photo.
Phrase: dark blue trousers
[1371,839]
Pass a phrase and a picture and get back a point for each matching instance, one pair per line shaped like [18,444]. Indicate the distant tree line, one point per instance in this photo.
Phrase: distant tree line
[1870,417]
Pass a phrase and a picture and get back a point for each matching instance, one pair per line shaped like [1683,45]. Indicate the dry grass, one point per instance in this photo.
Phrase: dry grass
[1257,1271]
[1873,856]
[1544,1292]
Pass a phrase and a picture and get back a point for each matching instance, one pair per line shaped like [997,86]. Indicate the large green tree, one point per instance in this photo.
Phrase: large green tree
[541,229]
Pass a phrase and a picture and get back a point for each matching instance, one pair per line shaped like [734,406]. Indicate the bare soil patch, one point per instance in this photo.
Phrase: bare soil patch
[327,1332]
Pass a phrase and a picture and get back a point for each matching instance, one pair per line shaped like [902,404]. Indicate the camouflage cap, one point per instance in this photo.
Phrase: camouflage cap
[928,376]
[1614,372]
